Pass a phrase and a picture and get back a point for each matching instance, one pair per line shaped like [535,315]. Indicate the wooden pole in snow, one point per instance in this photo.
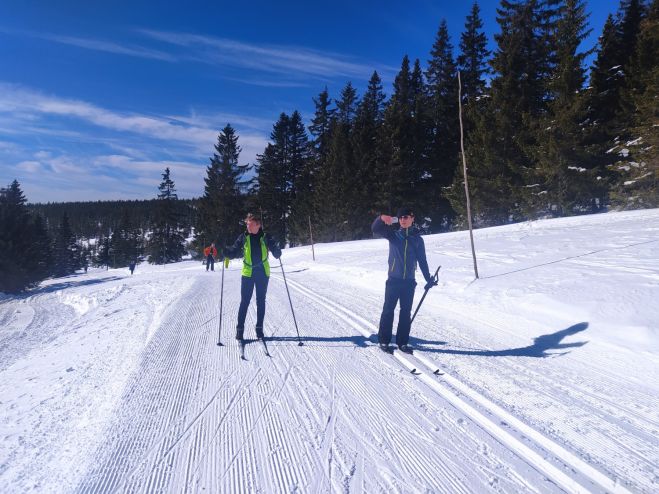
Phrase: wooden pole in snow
[464,170]
[313,254]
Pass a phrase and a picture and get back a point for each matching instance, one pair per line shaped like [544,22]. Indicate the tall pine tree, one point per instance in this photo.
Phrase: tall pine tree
[474,55]
[366,130]
[274,180]
[223,201]
[637,174]
[166,243]
[24,243]
[66,253]
[335,188]
[501,145]
[569,177]
[300,180]
[397,172]
[444,131]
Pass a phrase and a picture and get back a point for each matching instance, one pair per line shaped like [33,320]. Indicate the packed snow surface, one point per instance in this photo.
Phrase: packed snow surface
[541,376]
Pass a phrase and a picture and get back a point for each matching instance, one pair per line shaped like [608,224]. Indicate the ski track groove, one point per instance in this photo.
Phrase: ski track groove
[392,453]
[380,418]
[157,358]
[524,451]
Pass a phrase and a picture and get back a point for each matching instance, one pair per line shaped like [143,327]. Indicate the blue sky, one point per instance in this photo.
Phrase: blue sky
[97,98]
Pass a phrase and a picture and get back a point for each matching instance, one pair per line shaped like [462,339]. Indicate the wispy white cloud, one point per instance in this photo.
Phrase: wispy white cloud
[67,148]
[259,81]
[63,176]
[30,166]
[97,45]
[283,60]
[15,100]
[293,65]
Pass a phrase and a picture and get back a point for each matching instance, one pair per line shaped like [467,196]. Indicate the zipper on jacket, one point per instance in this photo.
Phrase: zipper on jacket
[405,258]
[393,264]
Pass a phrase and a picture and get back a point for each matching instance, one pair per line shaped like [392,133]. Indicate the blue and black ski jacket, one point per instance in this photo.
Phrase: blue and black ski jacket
[406,248]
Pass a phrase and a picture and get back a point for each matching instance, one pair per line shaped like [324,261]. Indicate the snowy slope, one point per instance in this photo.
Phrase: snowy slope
[542,376]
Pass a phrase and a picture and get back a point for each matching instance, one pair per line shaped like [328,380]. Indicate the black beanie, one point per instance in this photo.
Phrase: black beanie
[404,211]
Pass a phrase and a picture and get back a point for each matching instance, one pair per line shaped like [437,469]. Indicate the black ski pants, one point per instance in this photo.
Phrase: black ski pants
[397,290]
[210,262]
[247,284]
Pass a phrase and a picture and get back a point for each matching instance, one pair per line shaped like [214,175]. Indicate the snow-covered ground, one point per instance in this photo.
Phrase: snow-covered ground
[542,376]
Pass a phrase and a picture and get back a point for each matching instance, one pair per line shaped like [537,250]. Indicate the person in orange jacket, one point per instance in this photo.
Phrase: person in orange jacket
[211,253]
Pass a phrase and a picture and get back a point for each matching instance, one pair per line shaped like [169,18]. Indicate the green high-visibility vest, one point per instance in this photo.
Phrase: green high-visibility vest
[247,259]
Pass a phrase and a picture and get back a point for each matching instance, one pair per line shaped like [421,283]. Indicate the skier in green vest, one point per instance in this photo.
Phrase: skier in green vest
[253,246]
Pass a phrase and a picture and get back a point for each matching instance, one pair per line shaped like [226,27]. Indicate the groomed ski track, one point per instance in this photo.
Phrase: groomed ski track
[331,415]
[334,415]
[539,377]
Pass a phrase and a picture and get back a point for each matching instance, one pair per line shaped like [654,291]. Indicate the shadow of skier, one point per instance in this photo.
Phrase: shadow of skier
[541,347]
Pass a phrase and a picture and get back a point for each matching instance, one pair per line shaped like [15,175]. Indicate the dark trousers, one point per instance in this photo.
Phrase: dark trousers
[210,262]
[397,290]
[260,281]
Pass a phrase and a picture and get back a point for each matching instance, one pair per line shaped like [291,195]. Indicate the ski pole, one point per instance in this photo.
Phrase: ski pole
[435,277]
[290,302]
[219,333]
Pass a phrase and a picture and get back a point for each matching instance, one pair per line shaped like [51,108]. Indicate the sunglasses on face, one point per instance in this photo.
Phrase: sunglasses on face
[405,216]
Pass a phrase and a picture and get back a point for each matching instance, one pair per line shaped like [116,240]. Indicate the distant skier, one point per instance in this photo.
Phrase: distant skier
[253,246]
[131,266]
[406,248]
[211,253]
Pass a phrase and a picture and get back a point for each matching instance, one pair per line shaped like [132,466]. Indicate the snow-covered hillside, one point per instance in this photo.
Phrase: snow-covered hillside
[542,376]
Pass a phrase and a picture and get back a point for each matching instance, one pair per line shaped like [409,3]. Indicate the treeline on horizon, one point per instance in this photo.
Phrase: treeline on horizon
[538,141]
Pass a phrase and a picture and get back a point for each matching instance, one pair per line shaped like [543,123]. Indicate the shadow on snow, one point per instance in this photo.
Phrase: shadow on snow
[541,348]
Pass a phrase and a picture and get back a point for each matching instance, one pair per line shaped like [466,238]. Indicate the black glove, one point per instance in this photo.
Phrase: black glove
[430,284]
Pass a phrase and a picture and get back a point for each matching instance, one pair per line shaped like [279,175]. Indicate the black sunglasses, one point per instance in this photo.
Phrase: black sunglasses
[405,216]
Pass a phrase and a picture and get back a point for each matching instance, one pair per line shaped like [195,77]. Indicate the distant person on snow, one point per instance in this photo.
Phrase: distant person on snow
[253,246]
[406,248]
[131,266]
[211,253]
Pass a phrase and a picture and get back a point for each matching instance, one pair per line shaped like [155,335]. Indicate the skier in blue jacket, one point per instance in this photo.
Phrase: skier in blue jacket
[406,249]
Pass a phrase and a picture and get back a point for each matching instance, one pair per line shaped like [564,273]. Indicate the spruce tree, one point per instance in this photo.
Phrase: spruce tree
[321,124]
[444,127]
[396,171]
[301,181]
[125,243]
[65,249]
[335,187]
[166,243]
[636,172]
[40,249]
[103,253]
[367,127]
[273,182]
[505,134]
[474,55]
[606,80]
[222,205]
[346,106]
[568,175]
[24,243]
